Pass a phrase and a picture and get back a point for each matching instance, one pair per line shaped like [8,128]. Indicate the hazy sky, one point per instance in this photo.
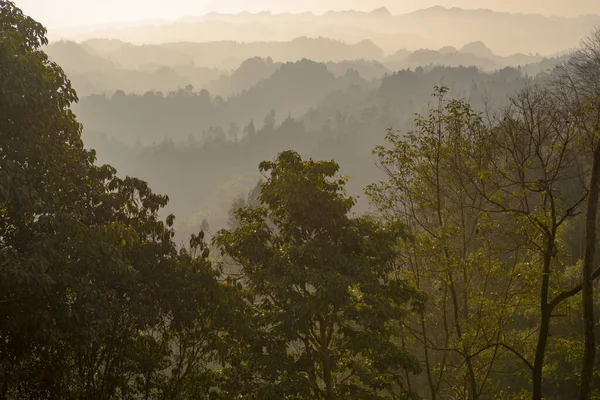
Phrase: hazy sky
[65,13]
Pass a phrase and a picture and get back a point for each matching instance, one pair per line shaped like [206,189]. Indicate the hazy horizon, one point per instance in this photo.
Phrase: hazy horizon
[62,14]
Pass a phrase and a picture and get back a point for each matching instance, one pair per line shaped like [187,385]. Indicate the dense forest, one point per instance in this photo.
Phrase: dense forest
[345,229]
[100,66]
[302,106]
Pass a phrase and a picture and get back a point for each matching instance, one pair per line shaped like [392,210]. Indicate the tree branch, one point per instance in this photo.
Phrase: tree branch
[507,347]
[570,293]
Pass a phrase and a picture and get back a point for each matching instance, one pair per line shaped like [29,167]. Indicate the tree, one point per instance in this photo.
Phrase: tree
[575,84]
[250,130]
[535,176]
[479,199]
[325,304]
[532,175]
[251,199]
[456,256]
[44,185]
[203,309]
[89,273]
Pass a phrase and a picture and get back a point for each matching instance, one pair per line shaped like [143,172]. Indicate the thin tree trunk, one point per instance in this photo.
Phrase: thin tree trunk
[546,310]
[472,383]
[327,376]
[147,386]
[3,390]
[540,354]
[327,372]
[427,364]
[587,285]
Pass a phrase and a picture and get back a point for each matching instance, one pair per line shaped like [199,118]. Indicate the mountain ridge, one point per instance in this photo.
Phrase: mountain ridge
[432,27]
[381,11]
[384,11]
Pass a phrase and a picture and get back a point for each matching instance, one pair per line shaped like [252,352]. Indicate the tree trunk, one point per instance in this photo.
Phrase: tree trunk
[546,309]
[327,377]
[587,285]
[427,364]
[540,353]
[3,390]
[472,383]
[327,372]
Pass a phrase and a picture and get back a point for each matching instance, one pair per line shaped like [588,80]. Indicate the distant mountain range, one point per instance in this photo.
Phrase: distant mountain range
[225,68]
[434,27]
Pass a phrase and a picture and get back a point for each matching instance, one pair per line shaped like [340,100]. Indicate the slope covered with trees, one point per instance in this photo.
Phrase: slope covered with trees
[302,106]
[473,276]
[101,66]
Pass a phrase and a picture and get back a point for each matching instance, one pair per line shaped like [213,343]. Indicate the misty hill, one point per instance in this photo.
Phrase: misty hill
[250,72]
[104,66]
[426,57]
[232,54]
[366,69]
[505,33]
[256,69]
[478,49]
[435,27]
[543,66]
[227,54]
[302,106]
[291,90]
[472,54]
[226,68]
[92,71]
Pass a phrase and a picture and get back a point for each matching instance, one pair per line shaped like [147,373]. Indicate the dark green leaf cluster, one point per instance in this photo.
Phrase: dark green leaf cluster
[326,306]
[95,299]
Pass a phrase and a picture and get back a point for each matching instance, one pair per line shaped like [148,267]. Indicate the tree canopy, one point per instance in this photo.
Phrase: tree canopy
[323,294]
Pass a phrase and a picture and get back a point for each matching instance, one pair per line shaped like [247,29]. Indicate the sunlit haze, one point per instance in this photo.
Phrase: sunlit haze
[67,13]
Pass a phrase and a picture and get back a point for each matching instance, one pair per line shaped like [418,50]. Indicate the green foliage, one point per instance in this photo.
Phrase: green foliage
[457,255]
[91,283]
[325,305]
[489,204]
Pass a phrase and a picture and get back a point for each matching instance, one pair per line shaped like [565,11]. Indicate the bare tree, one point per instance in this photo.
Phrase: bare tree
[456,256]
[576,84]
[532,154]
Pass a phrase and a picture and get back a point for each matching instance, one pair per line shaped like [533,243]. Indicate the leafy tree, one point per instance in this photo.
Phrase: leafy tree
[575,85]
[325,305]
[532,158]
[90,279]
[203,309]
[46,180]
[457,256]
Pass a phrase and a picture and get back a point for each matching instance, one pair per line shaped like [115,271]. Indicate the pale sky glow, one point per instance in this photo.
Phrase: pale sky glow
[68,13]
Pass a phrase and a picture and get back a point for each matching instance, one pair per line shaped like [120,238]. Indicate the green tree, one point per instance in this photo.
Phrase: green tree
[203,309]
[91,283]
[534,176]
[325,305]
[46,178]
[457,256]
[575,85]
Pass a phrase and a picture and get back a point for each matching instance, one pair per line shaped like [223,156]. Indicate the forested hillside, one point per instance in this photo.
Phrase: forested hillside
[323,229]
[302,106]
[100,66]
